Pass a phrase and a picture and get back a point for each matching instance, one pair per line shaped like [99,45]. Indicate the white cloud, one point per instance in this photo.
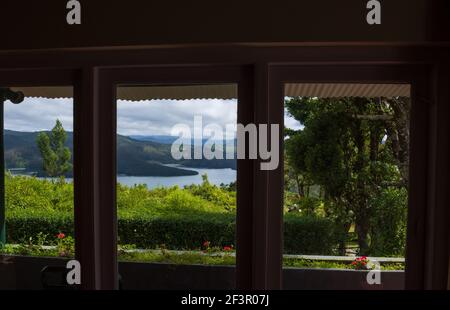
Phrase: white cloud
[36,114]
[152,117]
[157,117]
[290,122]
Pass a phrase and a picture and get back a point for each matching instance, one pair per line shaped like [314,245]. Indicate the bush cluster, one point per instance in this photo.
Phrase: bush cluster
[173,218]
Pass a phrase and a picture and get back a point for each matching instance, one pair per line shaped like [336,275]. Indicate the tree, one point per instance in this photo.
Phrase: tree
[354,148]
[56,157]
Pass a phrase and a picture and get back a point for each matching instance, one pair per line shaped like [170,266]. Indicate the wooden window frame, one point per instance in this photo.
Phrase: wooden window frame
[420,198]
[263,69]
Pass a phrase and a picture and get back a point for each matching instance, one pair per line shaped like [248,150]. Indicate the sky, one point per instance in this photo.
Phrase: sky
[151,117]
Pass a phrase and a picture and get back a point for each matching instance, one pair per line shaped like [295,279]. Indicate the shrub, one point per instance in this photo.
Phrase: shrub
[388,227]
[220,196]
[309,235]
[174,217]
[22,226]
[35,194]
[177,232]
[303,235]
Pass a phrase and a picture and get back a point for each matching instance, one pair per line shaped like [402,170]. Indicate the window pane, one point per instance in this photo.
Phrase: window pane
[176,186]
[38,148]
[346,184]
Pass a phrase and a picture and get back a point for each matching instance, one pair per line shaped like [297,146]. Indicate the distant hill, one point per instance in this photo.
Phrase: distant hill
[157,138]
[164,139]
[137,157]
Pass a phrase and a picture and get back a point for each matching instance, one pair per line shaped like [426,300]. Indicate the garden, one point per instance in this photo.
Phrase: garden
[190,225]
[346,180]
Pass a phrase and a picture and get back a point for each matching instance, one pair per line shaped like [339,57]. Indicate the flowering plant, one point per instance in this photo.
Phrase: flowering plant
[228,248]
[65,245]
[360,263]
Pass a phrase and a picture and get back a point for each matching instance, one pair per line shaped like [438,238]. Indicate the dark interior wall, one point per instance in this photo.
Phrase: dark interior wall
[42,24]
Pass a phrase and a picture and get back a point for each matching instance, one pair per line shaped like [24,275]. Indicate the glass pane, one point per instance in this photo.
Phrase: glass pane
[38,148]
[176,186]
[346,186]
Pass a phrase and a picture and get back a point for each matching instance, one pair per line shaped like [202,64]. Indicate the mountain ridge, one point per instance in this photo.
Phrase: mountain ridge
[134,157]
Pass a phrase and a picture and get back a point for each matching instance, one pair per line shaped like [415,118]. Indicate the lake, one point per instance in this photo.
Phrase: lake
[215,176]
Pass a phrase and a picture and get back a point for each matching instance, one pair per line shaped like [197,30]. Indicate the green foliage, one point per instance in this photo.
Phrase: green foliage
[32,246]
[127,253]
[388,233]
[184,258]
[350,148]
[22,226]
[177,232]
[37,196]
[65,246]
[56,157]
[173,217]
[217,195]
[309,235]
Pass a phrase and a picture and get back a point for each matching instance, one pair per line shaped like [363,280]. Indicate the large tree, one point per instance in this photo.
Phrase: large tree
[56,157]
[353,148]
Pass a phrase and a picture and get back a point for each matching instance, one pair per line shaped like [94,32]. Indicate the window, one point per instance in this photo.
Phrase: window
[39,198]
[346,178]
[176,185]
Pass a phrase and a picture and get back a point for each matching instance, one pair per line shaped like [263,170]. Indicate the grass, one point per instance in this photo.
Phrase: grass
[184,258]
[190,258]
[196,258]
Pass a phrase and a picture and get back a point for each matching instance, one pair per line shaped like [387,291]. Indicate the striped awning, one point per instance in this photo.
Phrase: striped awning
[229,91]
[326,90]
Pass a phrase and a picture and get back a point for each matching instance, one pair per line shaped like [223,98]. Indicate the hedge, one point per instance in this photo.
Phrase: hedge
[302,235]
[310,235]
[21,228]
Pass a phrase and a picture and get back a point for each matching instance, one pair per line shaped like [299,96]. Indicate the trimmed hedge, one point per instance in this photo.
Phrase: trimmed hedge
[20,228]
[177,232]
[310,235]
[302,235]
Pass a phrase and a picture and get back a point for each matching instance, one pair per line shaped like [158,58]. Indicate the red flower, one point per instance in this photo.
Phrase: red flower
[206,244]
[227,248]
[360,262]
[60,236]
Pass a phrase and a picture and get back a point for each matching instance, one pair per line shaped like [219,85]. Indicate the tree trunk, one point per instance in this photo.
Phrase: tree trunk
[300,187]
[362,230]
[360,195]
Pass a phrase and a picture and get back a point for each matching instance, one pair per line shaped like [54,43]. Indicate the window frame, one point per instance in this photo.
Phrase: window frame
[426,68]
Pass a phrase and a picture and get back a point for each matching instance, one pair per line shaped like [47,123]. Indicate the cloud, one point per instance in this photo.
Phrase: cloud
[157,117]
[291,122]
[151,117]
[37,114]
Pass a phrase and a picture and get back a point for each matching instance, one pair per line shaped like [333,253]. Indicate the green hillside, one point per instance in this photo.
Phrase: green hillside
[134,157]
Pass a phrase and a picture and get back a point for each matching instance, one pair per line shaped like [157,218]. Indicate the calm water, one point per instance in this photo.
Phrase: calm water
[215,176]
